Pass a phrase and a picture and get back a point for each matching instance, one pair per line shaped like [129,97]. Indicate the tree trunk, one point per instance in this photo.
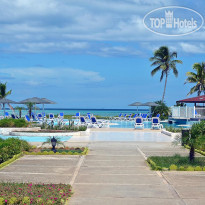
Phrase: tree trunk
[192,154]
[165,85]
[19,113]
[30,112]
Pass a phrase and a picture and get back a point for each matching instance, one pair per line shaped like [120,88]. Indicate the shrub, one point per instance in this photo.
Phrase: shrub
[172,129]
[190,168]
[13,123]
[173,167]
[198,168]
[12,200]
[2,201]
[26,200]
[181,168]
[11,147]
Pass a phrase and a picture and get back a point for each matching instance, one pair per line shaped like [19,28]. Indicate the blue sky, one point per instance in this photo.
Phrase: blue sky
[90,53]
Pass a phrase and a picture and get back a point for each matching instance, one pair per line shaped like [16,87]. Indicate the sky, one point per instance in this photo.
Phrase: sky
[91,53]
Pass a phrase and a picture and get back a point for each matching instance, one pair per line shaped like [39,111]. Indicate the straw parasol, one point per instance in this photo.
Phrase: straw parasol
[6,101]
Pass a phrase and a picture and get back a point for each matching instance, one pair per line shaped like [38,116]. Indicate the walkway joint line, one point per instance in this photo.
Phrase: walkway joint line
[80,162]
[171,188]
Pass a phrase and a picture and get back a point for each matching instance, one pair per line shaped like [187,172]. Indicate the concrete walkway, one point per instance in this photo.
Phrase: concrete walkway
[114,173]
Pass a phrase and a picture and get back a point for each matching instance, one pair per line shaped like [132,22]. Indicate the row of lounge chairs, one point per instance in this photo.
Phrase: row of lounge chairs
[92,122]
[155,123]
[130,117]
[41,117]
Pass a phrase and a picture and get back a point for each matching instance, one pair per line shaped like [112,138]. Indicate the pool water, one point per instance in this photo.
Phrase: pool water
[147,124]
[35,139]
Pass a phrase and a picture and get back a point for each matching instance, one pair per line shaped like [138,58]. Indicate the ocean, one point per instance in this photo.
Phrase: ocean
[101,112]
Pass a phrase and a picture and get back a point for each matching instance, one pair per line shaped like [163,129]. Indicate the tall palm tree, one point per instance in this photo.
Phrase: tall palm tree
[30,107]
[3,92]
[165,62]
[20,110]
[197,78]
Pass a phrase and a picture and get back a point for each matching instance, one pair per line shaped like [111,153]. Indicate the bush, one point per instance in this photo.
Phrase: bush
[190,168]
[172,129]
[198,168]
[13,123]
[11,147]
[173,167]
[181,168]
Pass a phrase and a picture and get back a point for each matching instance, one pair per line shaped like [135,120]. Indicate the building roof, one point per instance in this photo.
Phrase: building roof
[199,99]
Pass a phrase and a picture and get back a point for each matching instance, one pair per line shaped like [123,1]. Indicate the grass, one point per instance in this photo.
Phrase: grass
[177,160]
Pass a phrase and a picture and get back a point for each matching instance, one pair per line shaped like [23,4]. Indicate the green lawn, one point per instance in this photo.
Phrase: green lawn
[166,162]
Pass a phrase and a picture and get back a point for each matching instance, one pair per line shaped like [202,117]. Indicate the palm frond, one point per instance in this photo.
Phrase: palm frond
[175,71]
[157,62]
[173,54]
[153,72]
[192,90]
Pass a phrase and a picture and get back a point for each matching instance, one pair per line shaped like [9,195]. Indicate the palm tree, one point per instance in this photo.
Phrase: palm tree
[30,107]
[198,78]
[195,138]
[165,62]
[20,110]
[161,109]
[3,92]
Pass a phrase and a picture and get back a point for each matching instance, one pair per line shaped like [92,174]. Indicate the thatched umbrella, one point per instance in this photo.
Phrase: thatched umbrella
[136,104]
[6,101]
[47,101]
[37,100]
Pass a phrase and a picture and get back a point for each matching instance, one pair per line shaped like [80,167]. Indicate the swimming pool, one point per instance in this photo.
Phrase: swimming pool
[147,124]
[35,138]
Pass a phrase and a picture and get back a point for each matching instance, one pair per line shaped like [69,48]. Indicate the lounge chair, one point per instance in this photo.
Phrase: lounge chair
[129,117]
[150,117]
[95,123]
[197,115]
[156,123]
[61,115]
[51,116]
[158,115]
[144,117]
[40,116]
[77,115]
[119,117]
[82,121]
[139,123]
[134,116]
[27,118]
[88,116]
[7,115]
[14,116]
[124,117]
[35,118]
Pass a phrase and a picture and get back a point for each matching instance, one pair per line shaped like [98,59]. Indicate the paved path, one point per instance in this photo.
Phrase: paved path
[113,173]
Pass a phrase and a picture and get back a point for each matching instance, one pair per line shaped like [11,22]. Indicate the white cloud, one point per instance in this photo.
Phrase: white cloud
[191,48]
[49,76]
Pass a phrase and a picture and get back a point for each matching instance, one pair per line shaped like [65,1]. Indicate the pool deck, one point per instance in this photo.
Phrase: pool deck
[122,130]
[114,172]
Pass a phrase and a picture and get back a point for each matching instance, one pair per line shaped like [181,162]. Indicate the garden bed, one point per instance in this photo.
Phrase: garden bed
[177,163]
[26,194]
[60,151]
